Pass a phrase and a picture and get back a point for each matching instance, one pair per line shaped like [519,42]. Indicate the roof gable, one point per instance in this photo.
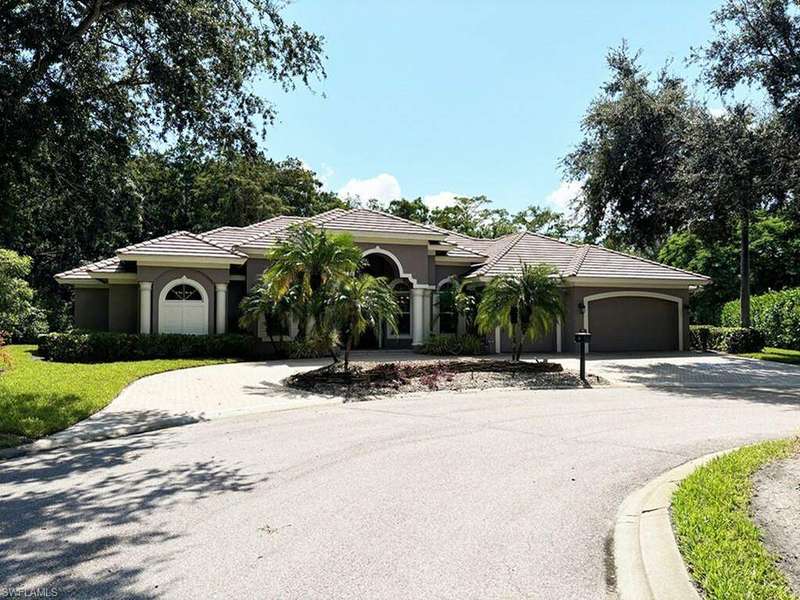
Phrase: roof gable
[180,244]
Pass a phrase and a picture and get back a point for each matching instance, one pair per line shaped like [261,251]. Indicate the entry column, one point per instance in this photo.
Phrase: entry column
[145,301]
[222,306]
[417,316]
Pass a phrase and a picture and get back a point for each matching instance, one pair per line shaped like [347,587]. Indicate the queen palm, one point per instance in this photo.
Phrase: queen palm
[527,305]
[358,303]
[311,261]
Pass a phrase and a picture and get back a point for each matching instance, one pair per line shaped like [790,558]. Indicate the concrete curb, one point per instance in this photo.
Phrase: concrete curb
[647,561]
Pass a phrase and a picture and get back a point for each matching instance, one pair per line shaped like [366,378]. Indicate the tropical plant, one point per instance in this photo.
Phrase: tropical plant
[358,303]
[527,305]
[20,317]
[310,263]
[262,302]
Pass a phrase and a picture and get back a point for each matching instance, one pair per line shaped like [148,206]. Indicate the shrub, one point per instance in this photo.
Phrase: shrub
[775,314]
[308,348]
[20,316]
[725,339]
[5,357]
[108,347]
[454,345]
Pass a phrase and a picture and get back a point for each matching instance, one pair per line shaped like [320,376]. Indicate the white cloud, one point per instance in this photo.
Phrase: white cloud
[439,200]
[383,187]
[561,197]
[718,111]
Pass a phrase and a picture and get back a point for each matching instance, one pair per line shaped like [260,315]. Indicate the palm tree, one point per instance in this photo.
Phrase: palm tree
[359,302]
[261,302]
[527,305]
[311,261]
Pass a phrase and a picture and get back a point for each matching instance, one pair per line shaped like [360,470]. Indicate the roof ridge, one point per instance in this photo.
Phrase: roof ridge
[579,257]
[200,236]
[647,260]
[435,228]
[510,244]
[552,239]
[325,215]
[150,241]
[221,228]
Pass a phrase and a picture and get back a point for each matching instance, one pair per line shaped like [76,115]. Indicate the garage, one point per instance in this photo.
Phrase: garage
[634,322]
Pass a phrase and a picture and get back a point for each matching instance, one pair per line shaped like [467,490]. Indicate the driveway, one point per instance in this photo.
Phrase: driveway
[471,495]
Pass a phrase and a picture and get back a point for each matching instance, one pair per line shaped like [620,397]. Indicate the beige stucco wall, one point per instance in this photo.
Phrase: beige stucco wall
[91,308]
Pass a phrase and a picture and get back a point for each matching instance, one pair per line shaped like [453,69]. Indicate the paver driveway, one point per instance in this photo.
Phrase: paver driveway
[473,495]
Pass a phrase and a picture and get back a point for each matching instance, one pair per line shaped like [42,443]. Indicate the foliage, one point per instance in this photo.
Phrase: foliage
[629,156]
[20,317]
[472,216]
[781,355]
[108,347]
[262,301]
[455,345]
[86,87]
[466,300]
[39,397]
[735,340]
[357,303]
[718,540]
[5,355]
[307,348]
[526,305]
[775,314]
[774,257]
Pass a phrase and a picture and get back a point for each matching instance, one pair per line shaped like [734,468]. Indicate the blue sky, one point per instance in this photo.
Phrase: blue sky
[443,97]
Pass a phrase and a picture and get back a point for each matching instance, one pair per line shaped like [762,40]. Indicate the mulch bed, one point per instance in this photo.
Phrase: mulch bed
[364,380]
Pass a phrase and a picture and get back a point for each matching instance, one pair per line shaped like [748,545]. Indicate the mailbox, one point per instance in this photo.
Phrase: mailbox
[583,337]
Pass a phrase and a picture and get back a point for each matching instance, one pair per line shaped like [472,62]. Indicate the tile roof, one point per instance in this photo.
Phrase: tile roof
[180,243]
[267,236]
[525,247]
[602,262]
[106,265]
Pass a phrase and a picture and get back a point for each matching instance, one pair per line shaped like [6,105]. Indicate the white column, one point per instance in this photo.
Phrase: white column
[497,340]
[222,306]
[427,309]
[558,336]
[417,316]
[145,301]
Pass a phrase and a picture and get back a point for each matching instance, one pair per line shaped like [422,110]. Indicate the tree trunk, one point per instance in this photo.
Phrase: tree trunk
[517,343]
[744,294]
[347,347]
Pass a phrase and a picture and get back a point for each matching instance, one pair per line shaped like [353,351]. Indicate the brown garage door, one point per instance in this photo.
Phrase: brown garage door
[632,324]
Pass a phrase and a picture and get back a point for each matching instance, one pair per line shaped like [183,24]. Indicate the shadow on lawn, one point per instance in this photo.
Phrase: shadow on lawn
[71,520]
[36,415]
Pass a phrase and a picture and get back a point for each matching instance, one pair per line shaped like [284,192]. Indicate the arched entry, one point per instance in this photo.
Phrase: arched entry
[183,308]
[382,263]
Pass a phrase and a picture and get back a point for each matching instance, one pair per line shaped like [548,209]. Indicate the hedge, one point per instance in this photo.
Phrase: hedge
[775,314]
[453,345]
[109,347]
[735,340]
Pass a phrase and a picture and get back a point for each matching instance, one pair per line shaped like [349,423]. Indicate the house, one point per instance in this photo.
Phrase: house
[193,283]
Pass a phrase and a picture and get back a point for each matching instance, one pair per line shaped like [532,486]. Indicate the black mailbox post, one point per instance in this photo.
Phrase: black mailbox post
[583,337]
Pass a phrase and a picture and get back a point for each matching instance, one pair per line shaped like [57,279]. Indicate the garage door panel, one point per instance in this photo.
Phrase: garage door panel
[633,324]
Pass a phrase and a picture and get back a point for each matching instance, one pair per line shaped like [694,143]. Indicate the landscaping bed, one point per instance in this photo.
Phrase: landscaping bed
[365,380]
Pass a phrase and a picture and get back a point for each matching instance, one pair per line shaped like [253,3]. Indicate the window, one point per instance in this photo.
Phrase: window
[402,292]
[448,317]
[184,292]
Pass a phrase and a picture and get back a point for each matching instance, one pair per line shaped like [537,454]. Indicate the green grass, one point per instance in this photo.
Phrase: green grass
[39,397]
[721,545]
[781,355]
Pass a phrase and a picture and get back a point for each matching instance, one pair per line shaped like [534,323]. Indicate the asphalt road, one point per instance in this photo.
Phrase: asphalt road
[475,495]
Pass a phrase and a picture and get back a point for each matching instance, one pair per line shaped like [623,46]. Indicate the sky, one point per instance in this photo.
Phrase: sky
[444,98]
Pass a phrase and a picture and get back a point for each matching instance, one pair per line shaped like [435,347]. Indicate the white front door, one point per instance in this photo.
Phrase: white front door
[183,309]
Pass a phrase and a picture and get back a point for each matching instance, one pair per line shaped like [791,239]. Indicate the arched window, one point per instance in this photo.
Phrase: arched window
[184,292]
[402,292]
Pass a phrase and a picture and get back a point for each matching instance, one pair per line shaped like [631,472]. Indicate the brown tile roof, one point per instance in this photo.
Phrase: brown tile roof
[180,243]
[519,248]
[266,238]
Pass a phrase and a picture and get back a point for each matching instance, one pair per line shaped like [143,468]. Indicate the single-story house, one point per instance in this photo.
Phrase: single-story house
[193,283]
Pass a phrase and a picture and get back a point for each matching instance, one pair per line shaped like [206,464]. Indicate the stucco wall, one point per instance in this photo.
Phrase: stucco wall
[255,267]
[625,317]
[413,258]
[123,308]
[546,343]
[443,271]
[91,308]
[161,276]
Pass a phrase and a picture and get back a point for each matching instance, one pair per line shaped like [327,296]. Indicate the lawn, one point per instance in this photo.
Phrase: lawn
[719,542]
[782,355]
[38,397]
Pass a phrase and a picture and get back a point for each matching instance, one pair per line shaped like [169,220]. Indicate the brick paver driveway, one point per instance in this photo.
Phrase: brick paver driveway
[506,494]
